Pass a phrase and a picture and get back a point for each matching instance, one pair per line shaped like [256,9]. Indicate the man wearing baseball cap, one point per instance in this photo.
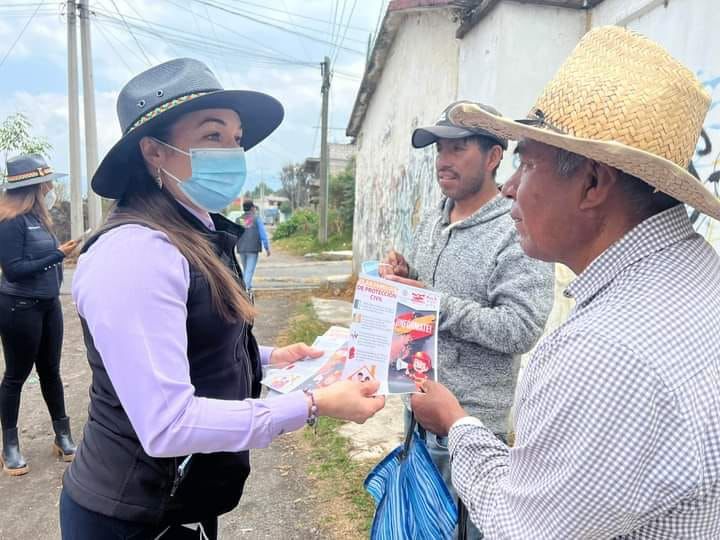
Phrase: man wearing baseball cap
[495,299]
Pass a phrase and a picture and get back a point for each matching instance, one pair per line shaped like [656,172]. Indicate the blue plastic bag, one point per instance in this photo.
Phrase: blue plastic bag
[411,498]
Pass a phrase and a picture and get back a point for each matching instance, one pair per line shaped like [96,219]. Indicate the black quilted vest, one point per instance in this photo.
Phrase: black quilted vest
[112,475]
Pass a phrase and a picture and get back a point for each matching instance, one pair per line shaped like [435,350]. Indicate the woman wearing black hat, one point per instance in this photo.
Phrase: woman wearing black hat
[31,322]
[167,323]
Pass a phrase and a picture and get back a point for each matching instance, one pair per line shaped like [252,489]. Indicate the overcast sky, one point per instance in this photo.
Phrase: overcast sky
[255,55]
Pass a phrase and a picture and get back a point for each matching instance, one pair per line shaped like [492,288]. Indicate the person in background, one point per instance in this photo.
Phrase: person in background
[253,240]
[31,320]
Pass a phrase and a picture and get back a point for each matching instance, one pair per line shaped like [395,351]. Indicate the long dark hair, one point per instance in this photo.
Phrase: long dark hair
[146,203]
[25,200]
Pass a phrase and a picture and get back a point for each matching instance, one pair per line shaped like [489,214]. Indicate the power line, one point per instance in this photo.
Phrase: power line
[298,15]
[299,26]
[224,61]
[290,20]
[282,28]
[233,30]
[120,56]
[336,35]
[202,43]
[337,50]
[345,75]
[132,34]
[20,35]
[132,6]
[334,21]
[125,45]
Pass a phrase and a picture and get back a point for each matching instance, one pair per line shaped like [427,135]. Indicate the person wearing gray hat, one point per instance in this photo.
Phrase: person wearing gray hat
[176,370]
[31,320]
[495,299]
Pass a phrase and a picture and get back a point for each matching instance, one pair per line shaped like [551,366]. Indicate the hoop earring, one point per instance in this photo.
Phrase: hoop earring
[158,179]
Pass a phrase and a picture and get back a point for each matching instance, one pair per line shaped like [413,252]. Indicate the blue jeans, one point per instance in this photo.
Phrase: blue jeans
[438,450]
[79,523]
[248,261]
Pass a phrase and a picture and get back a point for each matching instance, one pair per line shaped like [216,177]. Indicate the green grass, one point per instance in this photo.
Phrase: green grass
[303,326]
[340,479]
[302,244]
[339,474]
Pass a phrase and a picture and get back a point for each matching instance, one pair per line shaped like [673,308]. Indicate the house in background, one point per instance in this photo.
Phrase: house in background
[341,155]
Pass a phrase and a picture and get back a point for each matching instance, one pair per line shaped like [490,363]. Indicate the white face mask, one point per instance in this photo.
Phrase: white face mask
[50,199]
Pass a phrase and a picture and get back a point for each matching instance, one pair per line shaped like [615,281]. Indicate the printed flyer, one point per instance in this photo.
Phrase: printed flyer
[392,339]
[393,335]
[315,373]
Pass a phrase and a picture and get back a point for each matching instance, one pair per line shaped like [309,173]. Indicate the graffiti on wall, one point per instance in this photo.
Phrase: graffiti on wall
[392,194]
[706,162]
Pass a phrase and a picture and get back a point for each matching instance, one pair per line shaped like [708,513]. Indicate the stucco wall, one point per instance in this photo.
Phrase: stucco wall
[395,182]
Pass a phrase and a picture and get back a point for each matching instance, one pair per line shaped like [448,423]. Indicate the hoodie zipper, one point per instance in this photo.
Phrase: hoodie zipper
[439,255]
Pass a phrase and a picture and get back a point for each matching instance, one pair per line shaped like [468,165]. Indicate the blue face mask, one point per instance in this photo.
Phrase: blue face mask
[372,268]
[218,176]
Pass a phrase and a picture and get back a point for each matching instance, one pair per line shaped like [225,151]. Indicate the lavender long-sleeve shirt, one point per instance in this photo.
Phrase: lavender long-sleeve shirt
[131,288]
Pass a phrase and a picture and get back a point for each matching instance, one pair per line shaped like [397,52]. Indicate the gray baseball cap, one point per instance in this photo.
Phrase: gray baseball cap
[444,128]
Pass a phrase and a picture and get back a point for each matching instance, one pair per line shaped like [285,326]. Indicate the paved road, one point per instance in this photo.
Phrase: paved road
[279,271]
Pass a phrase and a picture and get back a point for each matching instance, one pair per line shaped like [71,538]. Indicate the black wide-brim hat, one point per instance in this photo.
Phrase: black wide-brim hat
[27,170]
[162,94]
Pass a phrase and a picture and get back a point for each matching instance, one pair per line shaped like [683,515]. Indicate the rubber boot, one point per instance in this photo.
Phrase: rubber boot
[12,460]
[63,446]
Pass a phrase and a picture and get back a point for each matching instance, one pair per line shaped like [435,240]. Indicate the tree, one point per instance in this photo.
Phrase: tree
[15,137]
[294,184]
[342,195]
[261,189]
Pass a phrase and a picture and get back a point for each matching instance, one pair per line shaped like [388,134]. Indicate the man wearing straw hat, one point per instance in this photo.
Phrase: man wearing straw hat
[618,415]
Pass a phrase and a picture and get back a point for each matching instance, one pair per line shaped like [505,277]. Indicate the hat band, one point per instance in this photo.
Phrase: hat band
[540,121]
[164,108]
[37,173]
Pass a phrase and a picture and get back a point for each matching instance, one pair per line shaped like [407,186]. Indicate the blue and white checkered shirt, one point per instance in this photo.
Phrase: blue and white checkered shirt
[618,415]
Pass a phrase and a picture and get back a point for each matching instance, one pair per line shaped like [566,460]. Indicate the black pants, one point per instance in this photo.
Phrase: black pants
[32,332]
[79,523]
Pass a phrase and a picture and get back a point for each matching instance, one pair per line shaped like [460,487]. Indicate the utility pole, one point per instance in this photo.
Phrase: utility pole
[91,147]
[324,157]
[76,204]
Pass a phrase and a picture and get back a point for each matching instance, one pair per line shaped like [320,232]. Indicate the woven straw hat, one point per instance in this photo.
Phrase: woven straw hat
[622,100]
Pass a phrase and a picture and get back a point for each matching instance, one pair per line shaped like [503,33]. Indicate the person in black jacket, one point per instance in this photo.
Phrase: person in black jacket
[31,322]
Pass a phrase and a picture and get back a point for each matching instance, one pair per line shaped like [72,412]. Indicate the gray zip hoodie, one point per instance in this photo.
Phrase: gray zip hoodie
[494,306]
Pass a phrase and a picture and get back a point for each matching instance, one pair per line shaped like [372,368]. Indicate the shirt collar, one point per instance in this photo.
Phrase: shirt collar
[652,235]
[203,217]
